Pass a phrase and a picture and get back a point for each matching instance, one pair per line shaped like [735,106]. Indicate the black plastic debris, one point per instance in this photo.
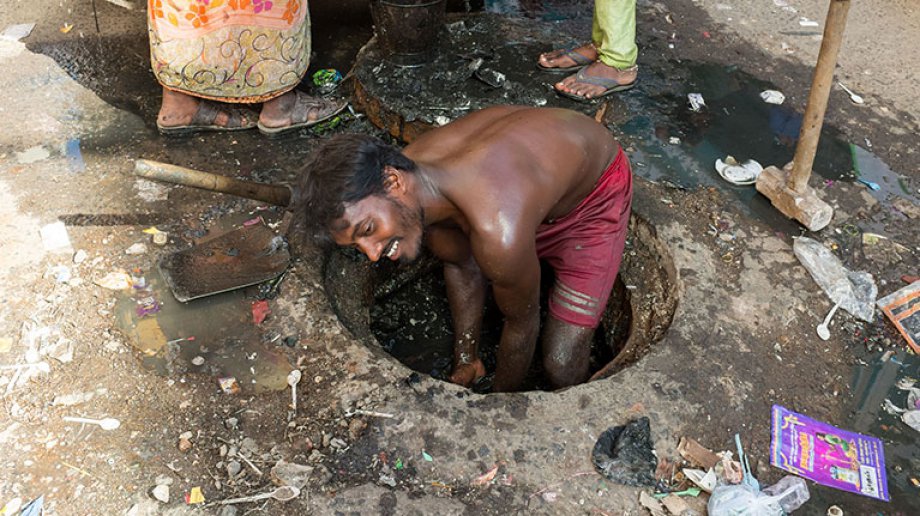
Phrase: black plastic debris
[624,454]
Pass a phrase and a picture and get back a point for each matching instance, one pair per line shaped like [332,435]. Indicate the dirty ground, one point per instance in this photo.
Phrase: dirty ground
[370,435]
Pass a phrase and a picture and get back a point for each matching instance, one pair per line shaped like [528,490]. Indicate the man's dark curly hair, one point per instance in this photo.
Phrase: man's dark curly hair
[344,169]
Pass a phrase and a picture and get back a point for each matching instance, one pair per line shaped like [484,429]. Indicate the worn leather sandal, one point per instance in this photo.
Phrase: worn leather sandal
[323,109]
[239,119]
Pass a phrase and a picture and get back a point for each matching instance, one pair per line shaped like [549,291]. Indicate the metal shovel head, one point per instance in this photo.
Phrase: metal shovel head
[237,259]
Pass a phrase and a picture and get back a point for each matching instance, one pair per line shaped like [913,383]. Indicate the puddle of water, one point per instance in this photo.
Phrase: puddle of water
[871,383]
[737,122]
[217,328]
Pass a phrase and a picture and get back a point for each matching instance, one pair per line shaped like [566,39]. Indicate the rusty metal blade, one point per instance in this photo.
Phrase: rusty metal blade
[237,259]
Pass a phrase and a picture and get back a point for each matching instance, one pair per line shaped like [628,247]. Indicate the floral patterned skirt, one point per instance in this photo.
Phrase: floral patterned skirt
[229,50]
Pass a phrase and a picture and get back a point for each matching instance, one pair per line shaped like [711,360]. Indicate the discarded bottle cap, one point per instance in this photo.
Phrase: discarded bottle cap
[160,238]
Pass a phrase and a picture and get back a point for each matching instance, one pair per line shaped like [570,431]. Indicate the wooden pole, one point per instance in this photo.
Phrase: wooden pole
[278,195]
[817,98]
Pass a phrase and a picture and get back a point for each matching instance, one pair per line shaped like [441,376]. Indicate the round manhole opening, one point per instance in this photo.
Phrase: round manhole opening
[401,311]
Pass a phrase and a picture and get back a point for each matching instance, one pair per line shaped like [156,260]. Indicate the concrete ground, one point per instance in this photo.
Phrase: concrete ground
[742,338]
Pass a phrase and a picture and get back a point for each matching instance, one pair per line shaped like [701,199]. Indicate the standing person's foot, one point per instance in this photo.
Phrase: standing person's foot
[567,59]
[597,80]
[182,114]
[296,110]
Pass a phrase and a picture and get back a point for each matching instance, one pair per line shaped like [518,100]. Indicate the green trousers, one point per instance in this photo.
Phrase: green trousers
[614,32]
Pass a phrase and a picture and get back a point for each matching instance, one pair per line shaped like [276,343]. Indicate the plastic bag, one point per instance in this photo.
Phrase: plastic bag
[791,492]
[624,454]
[855,291]
[783,497]
[742,500]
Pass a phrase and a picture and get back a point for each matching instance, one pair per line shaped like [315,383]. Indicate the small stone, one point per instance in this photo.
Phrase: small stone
[79,256]
[163,480]
[232,423]
[67,400]
[337,443]
[186,435]
[227,510]
[161,493]
[291,474]
[317,379]
[138,248]
[233,468]
[223,450]
[327,439]
[184,445]
[249,445]
[355,427]
[198,360]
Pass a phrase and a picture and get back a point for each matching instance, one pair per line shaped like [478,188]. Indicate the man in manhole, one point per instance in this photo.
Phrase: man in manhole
[489,194]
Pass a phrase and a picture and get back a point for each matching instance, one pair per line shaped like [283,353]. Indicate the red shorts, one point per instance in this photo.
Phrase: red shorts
[585,247]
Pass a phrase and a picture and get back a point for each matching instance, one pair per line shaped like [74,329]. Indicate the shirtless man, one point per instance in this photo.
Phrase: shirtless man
[490,195]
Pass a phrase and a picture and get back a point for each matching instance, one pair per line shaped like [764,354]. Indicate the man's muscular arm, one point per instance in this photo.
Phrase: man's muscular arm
[466,293]
[514,270]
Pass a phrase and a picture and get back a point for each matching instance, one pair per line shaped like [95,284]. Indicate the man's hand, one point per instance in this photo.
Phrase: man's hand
[467,373]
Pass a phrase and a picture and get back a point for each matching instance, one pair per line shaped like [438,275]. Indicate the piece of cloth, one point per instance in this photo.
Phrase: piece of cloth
[613,32]
[585,247]
[229,50]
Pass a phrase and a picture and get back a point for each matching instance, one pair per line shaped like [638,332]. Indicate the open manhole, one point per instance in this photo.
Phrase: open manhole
[401,311]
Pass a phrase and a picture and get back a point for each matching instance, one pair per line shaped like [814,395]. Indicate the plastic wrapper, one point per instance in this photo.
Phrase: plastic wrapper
[855,291]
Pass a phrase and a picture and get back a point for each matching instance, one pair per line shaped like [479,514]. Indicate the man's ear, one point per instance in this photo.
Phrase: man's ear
[393,180]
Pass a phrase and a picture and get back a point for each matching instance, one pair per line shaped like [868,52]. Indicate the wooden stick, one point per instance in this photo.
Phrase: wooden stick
[817,98]
[278,195]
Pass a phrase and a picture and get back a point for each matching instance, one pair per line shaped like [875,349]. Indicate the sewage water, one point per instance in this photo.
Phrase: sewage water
[413,324]
[737,122]
[213,336]
[218,329]
[873,381]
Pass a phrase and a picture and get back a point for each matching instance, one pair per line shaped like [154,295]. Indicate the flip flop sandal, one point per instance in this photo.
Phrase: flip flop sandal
[203,121]
[303,105]
[609,85]
[580,62]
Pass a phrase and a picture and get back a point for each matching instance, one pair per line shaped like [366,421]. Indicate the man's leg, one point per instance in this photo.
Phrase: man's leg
[614,34]
[566,352]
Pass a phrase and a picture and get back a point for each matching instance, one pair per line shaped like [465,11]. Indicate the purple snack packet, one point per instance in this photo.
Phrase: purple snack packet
[828,455]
